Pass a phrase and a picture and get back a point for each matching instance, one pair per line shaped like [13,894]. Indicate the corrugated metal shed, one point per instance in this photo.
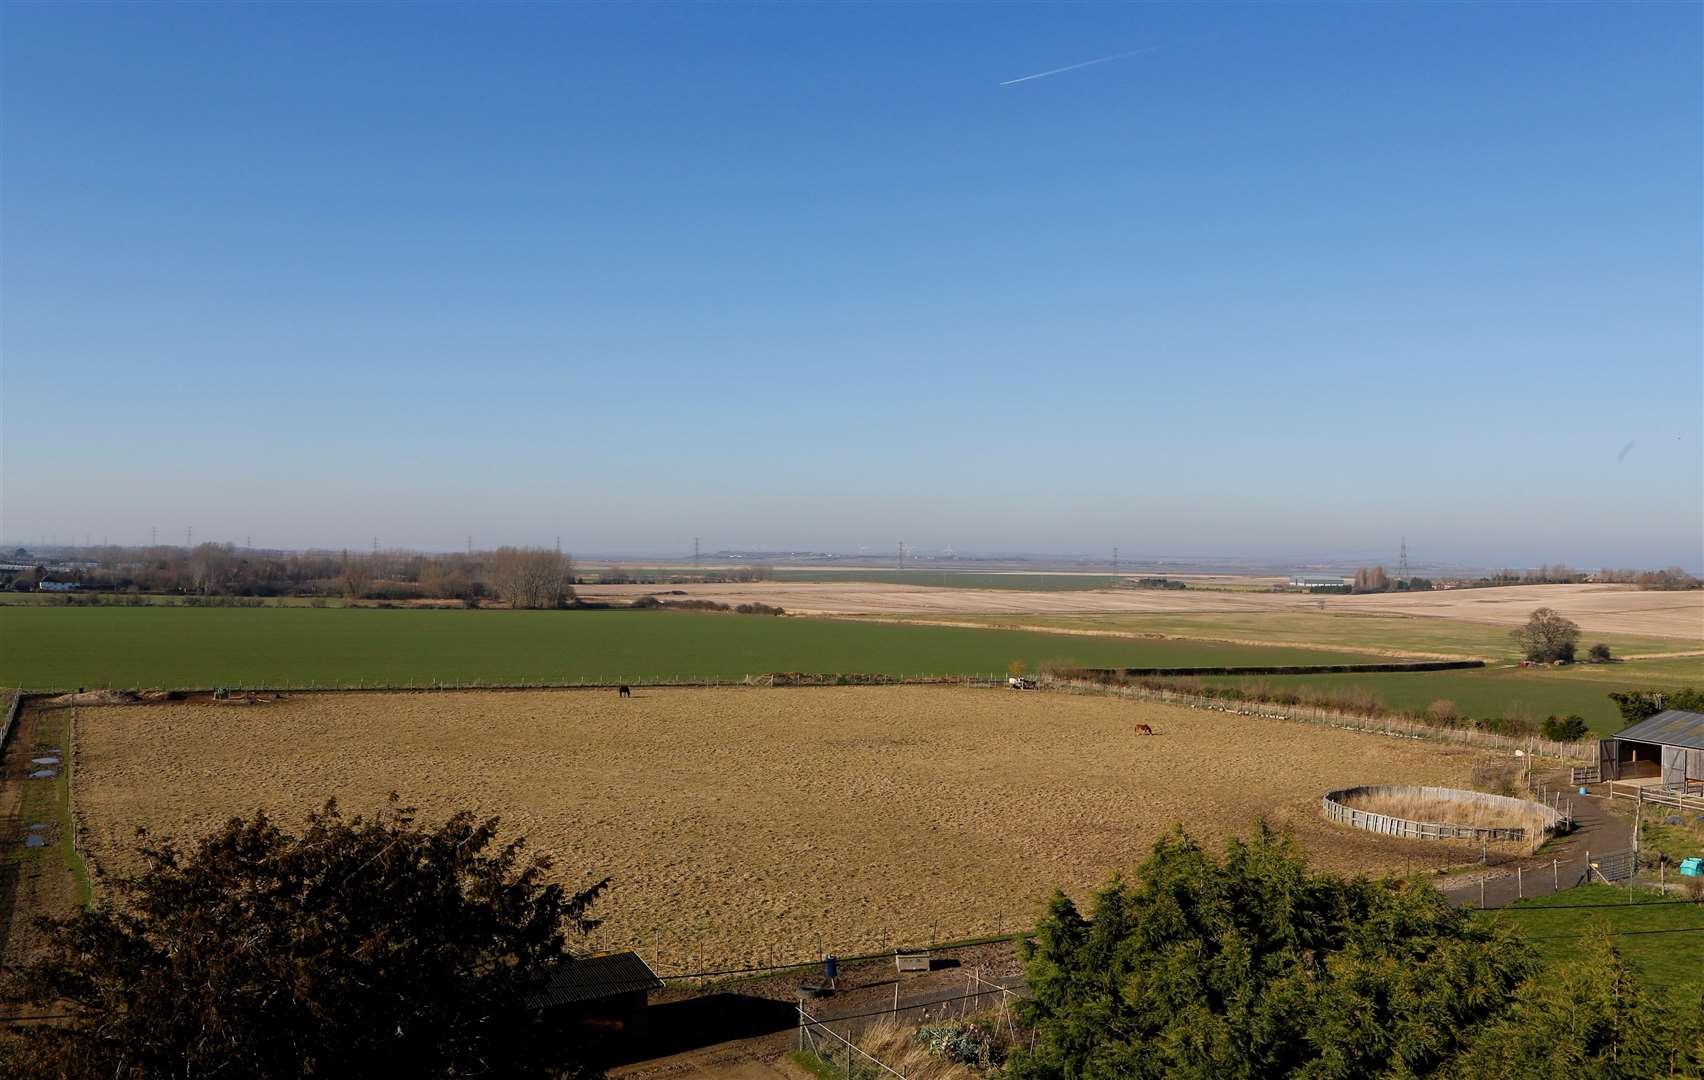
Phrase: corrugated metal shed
[594,978]
[1671,727]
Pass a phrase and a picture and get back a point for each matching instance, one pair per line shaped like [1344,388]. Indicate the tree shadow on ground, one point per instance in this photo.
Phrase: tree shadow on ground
[679,1026]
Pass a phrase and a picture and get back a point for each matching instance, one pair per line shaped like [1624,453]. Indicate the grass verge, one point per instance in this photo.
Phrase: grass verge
[1661,937]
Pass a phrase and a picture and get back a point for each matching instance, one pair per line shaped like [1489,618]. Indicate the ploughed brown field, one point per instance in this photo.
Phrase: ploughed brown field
[746,825]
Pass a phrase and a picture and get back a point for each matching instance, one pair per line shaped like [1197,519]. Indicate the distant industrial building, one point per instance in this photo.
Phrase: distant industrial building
[1317,581]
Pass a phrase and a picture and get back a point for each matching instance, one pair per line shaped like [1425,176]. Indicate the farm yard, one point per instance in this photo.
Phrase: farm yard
[744,826]
[63,647]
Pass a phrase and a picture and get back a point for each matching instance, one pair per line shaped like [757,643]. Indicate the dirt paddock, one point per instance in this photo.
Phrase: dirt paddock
[745,826]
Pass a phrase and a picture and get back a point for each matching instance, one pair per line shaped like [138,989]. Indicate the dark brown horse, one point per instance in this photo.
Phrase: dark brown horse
[624,692]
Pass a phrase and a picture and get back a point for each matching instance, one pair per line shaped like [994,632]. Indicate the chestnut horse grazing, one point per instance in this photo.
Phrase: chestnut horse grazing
[1144,729]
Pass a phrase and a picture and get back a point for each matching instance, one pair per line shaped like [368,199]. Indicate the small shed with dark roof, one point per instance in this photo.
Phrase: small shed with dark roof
[609,990]
[1667,747]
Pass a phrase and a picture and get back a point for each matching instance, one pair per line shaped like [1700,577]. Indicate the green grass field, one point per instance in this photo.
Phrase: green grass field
[1494,691]
[1406,634]
[1661,937]
[200,647]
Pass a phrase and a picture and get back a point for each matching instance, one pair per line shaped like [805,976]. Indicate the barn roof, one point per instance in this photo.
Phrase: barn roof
[1671,727]
[593,978]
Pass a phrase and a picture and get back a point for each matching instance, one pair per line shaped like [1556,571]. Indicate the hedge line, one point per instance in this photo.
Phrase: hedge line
[1111,674]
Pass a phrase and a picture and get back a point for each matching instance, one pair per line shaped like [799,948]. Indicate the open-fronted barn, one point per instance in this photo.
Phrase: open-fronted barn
[1666,749]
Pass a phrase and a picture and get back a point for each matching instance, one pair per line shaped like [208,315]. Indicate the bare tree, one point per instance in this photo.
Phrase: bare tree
[356,577]
[532,577]
[1548,636]
[210,566]
[1372,580]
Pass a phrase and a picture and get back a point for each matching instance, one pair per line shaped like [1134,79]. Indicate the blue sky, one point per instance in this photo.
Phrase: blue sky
[1305,279]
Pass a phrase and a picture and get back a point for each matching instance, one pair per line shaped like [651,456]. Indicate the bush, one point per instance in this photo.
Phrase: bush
[1442,712]
[759,609]
[1510,724]
[1571,729]
[362,946]
[1600,653]
[970,1044]
[1249,965]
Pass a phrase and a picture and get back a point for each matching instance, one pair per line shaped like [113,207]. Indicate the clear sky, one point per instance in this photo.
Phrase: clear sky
[1299,279]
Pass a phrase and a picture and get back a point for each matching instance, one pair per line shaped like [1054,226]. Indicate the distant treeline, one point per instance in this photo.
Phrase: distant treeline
[1376,579]
[518,577]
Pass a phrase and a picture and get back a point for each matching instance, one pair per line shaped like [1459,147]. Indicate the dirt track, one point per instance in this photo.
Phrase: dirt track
[1609,609]
[741,824]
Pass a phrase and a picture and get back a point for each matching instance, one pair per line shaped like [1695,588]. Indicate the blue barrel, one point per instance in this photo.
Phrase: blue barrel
[1693,867]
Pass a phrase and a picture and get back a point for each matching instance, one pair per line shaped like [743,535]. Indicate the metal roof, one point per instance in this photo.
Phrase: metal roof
[1671,727]
[593,978]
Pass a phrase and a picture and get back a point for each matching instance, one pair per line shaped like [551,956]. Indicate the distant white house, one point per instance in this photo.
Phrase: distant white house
[1316,581]
[57,586]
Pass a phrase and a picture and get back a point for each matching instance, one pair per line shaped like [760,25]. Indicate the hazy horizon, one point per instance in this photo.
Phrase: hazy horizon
[1284,284]
[930,559]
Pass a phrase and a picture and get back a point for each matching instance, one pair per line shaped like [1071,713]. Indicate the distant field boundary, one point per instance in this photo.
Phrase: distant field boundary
[1270,669]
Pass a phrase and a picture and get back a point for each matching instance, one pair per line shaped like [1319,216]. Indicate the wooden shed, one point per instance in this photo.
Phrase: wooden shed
[1667,748]
[610,991]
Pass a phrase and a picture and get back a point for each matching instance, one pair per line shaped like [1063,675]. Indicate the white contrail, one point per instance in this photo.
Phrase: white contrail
[1084,64]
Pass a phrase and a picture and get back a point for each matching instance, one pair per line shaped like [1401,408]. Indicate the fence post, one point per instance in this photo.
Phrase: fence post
[1481,894]
[1555,877]
[1520,885]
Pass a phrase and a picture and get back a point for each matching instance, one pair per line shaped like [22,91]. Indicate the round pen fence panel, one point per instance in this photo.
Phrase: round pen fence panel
[1337,809]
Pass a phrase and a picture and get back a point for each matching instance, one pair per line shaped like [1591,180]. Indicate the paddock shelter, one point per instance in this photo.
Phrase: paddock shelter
[608,991]
[1667,748]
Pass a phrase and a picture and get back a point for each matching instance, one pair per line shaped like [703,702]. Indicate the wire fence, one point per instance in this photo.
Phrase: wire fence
[839,1050]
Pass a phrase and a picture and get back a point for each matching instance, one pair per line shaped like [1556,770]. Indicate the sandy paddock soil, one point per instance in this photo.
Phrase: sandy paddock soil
[1607,609]
[741,824]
